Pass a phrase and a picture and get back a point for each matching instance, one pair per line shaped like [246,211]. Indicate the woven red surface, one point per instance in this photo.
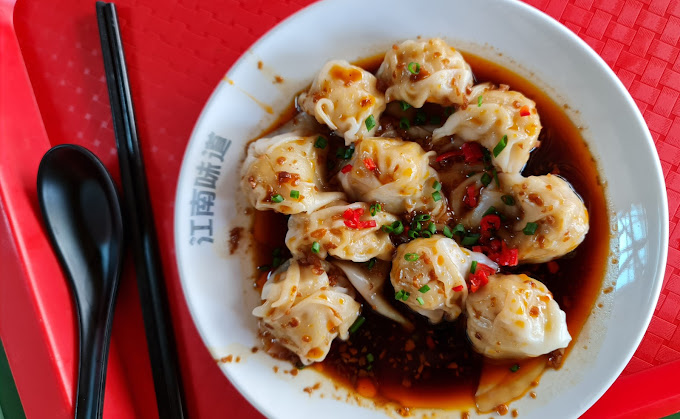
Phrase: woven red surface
[176,53]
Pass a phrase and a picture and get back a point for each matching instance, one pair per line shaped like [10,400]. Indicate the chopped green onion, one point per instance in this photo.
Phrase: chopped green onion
[316,247]
[397,227]
[530,228]
[300,366]
[404,105]
[277,251]
[495,177]
[437,186]
[414,68]
[277,261]
[447,232]
[404,124]
[470,239]
[345,153]
[370,357]
[486,157]
[508,200]
[422,217]
[500,146]
[415,225]
[370,264]
[432,228]
[486,179]
[369,367]
[411,257]
[426,234]
[421,117]
[459,230]
[413,234]
[435,120]
[263,268]
[295,194]
[375,208]
[473,268]
[320,142]
[420,300]
[387,228]
[436,196]
[491,210]
[479,102]
[357,324]
[514,368]
[277,198]
[370,122]
[402,295]
[425,288]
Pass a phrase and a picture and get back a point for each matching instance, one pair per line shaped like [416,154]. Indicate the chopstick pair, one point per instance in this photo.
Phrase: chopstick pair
[138,218]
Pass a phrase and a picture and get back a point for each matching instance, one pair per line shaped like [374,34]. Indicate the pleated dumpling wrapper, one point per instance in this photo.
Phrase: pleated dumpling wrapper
[306,306]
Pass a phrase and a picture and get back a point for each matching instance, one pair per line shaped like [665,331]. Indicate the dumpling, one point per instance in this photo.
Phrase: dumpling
[425,71]
[306,307]
[345,97]
[429,275]
[346,231]
[495,115]
[395,173]
[515,316]
[546,205]
[285,173]
[369,282]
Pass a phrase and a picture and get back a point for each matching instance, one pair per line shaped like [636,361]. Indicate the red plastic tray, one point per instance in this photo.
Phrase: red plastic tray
[52,91]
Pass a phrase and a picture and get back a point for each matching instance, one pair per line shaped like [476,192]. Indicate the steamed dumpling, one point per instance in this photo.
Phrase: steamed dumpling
[395,173]
[515,316]
[305,308]
[337,232]
[549,201]
[434,269]
[275,167]
[498,113]
[438,73]
[344,97]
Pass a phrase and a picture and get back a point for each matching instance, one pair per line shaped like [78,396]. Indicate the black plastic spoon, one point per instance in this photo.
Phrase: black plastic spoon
[79,204]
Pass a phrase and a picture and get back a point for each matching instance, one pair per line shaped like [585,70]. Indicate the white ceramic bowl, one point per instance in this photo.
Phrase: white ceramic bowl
[216,283]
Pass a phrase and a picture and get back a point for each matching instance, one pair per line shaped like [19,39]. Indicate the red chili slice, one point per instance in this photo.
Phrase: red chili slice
[369,163]
[348,214]
[471,195]
[367,224]
[352,219]
[448,155]
[490,222]
[480,277]
[472,152]
[524,111]
[346,169]
[459,288]
[506,256]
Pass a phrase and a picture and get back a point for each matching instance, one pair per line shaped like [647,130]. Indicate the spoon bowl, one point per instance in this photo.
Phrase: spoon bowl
[80,206]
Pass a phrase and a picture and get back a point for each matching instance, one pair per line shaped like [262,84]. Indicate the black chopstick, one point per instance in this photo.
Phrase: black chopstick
[139,222]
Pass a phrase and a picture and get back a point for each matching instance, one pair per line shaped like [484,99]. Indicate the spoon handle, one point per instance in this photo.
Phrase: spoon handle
[94,351]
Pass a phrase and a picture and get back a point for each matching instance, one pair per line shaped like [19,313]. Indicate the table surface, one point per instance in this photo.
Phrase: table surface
[176,53]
